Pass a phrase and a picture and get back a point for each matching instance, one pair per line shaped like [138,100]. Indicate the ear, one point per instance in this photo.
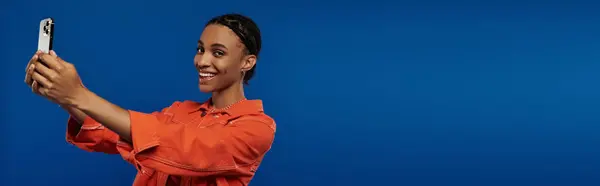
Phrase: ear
[248,62]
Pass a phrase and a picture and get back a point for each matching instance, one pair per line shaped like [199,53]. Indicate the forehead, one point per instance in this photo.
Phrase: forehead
[219,34]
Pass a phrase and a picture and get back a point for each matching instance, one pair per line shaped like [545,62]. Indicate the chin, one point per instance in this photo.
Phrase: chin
[206,88]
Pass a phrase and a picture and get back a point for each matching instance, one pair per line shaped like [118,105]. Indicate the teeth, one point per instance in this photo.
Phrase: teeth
[206,74]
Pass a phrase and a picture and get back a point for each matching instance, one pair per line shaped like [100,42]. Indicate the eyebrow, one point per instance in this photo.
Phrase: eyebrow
[213,45]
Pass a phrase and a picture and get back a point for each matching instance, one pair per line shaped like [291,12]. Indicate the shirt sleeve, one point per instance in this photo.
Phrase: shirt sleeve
[91,136]
[196,151]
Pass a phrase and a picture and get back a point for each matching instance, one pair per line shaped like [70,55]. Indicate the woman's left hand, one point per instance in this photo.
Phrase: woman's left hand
[58,80]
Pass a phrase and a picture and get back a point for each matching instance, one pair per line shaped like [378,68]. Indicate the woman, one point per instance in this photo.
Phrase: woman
[219,142]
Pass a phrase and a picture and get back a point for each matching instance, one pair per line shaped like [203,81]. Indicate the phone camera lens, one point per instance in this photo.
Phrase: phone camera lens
[46,30]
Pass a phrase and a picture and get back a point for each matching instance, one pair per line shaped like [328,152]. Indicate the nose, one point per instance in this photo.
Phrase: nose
[202,61]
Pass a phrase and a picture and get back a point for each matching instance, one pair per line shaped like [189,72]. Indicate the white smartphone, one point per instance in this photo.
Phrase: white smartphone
[46,35]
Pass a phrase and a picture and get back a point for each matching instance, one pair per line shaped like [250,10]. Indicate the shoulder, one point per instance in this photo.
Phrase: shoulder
[260,118]
[250,111]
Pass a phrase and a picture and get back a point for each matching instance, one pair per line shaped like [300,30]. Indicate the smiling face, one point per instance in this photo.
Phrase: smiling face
[221,59]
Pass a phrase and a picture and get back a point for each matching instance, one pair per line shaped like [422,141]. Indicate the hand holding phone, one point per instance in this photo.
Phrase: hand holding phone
[45,41]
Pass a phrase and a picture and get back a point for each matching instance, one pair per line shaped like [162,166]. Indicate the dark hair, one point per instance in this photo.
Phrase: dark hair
[246,30]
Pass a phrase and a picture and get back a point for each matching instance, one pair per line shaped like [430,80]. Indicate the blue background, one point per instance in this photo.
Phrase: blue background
[364,93]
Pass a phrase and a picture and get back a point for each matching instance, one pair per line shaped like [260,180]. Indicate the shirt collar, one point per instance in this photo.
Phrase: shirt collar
[241,108]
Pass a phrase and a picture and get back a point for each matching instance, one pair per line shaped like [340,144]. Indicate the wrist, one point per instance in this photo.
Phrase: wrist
[83,99]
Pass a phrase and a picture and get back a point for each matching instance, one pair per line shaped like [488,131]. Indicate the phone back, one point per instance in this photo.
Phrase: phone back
[46,35]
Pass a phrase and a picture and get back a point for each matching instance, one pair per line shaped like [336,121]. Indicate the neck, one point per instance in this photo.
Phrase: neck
[228,96]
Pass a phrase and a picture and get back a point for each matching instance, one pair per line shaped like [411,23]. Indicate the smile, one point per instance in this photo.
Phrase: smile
[206,76]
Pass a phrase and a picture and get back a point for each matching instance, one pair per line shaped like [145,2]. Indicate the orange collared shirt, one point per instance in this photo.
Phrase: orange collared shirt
[187,143]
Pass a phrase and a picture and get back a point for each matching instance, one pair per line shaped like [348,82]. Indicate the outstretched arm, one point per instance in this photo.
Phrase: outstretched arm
[102,111]
[60,83]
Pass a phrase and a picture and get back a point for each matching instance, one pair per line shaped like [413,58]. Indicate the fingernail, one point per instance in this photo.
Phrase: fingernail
[32,67]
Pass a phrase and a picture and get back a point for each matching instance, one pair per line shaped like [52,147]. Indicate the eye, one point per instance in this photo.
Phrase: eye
[218,53]
[200,50]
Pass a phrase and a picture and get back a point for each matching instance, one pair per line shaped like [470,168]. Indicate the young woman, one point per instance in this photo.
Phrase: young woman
[219,142]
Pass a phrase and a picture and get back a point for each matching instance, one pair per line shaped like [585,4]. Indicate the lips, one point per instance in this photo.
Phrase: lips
[205,76]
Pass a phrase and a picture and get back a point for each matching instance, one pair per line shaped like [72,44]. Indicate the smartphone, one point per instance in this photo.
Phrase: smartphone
[46,35]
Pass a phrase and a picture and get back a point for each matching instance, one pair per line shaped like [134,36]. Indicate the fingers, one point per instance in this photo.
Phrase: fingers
[30,70]
[38,76]
[51,61]
[45,71]
[41,80]
[33,59]
[44,92]
[35,86]
[66,64]
[52,53]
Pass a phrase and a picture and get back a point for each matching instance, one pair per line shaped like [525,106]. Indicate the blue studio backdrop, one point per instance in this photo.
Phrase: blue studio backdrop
[375,92]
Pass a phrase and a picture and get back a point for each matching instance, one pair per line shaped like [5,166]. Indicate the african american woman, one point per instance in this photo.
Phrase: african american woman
[219,142]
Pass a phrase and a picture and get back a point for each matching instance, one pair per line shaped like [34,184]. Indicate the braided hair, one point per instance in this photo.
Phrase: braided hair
[246,30]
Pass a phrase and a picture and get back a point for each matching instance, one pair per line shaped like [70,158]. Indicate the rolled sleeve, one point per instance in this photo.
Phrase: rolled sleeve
[143,130]
[91,136]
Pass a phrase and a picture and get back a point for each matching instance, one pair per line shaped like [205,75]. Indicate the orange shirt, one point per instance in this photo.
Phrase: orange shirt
[187,143]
